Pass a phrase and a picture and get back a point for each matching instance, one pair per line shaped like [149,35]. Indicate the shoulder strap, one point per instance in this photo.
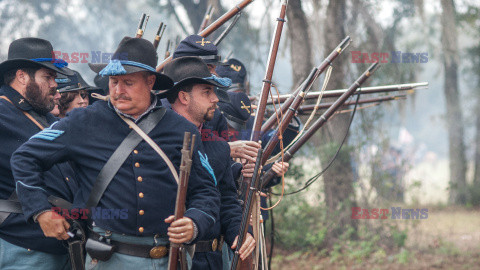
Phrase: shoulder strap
[118,157]
[155,147]
[29,116]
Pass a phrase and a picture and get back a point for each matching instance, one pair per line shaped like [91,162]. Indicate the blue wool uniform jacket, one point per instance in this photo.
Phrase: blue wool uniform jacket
[143,190]
[218,152]
[15,129]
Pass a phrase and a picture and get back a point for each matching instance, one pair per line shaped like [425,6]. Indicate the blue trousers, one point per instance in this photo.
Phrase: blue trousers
[121,261]
[13,257]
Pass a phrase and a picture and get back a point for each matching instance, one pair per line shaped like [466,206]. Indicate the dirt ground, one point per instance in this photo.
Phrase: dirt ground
[448,239]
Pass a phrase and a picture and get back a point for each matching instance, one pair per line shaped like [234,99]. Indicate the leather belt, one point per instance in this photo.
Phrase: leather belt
[209,245]
[144,251]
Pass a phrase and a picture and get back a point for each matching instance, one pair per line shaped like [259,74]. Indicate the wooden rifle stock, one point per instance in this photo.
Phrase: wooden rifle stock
[247,211]
[308,108]
[140,26]
[361,90]
[321,121]
[213,26]
[288,116]
[185,167]
[323,66]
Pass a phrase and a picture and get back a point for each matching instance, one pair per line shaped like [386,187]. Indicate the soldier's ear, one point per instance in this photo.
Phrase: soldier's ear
[22,77]
[183,97]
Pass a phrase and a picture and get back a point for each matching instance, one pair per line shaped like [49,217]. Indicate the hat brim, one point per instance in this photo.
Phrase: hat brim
[235,125]
[162,82]
[89,89]
[26,63]
[221,94]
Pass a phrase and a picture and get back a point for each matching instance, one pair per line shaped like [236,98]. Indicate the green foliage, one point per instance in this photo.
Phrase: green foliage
[403,256]
[399,237]
[474,194]
[299,225]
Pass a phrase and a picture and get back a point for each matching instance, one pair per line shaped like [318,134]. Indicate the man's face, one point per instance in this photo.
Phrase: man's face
[41,91]
[130,93]
[203,102]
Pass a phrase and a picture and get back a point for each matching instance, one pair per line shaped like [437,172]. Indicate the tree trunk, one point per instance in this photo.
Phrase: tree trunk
[452,98]
[195,11]
[339,194]
[476,176]
[300,48]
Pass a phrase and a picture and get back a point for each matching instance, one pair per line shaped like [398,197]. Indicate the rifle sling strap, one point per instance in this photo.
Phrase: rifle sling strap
[118,157]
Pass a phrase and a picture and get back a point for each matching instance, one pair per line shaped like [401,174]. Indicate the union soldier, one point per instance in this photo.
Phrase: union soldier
[27,94]
[131,214]
[195,45]
[237,72]
[194,97]
[238,112]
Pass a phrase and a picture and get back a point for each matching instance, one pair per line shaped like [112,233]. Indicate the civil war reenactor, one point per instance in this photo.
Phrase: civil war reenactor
[198,46]
[238,112]
[195,45]
[128,189]
[237,72]
[28,92]
[194,97]
[74,93]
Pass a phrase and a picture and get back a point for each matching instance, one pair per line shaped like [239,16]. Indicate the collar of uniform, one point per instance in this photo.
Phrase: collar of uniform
[150,108]
[16,98]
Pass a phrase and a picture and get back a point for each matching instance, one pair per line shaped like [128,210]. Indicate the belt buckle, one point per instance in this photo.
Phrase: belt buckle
[158,252]
[214,244]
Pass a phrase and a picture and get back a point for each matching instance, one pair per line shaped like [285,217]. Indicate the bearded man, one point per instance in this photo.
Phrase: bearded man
[27,94]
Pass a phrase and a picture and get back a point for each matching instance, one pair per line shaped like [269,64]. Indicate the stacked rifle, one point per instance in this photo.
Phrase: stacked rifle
[291,105]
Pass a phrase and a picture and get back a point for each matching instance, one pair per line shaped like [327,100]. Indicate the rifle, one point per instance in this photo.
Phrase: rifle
[305,109]
[321,121]
[167,51]
[323,66]
[185,166]
[206,18]
[255,136]
[288,116]
[247,211]
[361,90]
[228,29]
[140,26]
[214,26]
[156,41]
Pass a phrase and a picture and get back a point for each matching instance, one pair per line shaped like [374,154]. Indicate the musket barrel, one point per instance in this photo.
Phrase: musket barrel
[323,118]
[362,90]
[257,124]
[156,41]
[228,29]
[140,26]
[323,66]
[308,108]
[213,26]
[288,116]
